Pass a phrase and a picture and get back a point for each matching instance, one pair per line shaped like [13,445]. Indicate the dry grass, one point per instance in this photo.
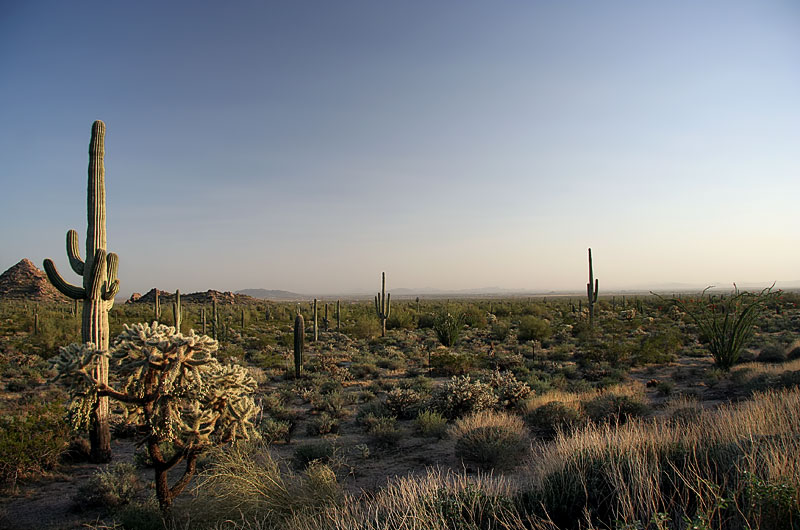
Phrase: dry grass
[633,389]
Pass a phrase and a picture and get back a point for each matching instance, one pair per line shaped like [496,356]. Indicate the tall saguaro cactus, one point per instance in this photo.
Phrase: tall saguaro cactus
[316,327]
[591,290]
[100,285]
[383,304]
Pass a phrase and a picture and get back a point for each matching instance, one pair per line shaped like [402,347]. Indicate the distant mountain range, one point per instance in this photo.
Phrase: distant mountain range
[274,294]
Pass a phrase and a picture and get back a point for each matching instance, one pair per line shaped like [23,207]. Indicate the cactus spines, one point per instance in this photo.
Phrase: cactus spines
[591,290]
[383,304]
[100,285]
[176,310]
[299,343]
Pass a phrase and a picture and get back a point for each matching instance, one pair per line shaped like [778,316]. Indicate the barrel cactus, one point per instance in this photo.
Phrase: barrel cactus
[100,285]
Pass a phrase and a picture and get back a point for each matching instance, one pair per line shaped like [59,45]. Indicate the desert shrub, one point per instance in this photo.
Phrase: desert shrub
[113,486]
[426,321]
[363,328]
[448,363]
[140,516]
[657,348]
[462,395]
[534,328]
[789,379]
[499,331]
[793,351]
[448,328]
[773,353]
[510,392]
[390,363]
[614,408]
[369,411]
[490,439]
[307,453]
[32,440]
[384,432]
[474,317]
[430,424]
[273,431]
[322,425]
[399,319]
[141,456]
[546,420]
[403,402]
[364,370]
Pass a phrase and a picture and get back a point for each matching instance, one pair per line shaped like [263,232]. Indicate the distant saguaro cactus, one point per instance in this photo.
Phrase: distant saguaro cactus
[214,317]
[316,327]
[299,343]
[157,306]
[591,290]
[338,314]
[100,286]
[203,318]
[176,310]
[383,304]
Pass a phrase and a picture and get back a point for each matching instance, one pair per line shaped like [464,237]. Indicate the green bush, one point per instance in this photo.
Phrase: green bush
[499,331]
[534,328]
[32,440]
[449,363]
[546,420]
[384,432]
[425,321]
[773,353]
[614,408]
[399,319]
[430,424]
[273,431]
[307,453]
[110,487]
[474,317]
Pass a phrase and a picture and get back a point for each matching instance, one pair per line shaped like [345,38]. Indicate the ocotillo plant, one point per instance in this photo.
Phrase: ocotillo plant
[100,286]
[176,310]
[591,290]
[316,328]
[299,343]
[157,306]
[383,304]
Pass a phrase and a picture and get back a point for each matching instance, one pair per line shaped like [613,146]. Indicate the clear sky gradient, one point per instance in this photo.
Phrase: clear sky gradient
[310,145]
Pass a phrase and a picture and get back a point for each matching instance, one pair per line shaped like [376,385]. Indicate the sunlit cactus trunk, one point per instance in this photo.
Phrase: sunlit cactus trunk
[591,290]
[100,285]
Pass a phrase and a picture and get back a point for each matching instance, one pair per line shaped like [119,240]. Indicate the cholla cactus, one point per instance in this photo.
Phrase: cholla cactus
[173,388]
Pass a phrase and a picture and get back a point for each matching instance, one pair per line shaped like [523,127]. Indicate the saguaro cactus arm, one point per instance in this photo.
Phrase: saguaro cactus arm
[74,252]
[67,289]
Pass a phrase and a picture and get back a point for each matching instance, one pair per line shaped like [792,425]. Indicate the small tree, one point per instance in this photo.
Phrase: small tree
[727,324]
[172,388]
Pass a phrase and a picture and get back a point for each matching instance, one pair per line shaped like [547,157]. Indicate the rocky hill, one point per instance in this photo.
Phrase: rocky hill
[24,281]
[206,297]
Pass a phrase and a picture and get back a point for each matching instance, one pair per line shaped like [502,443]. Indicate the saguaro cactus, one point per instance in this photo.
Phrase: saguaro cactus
[316,327]
[338,314]
[214,318]
[157,306]
[203,318]
[591,290]
[299,343]
[100,285]
[176,310]
[383,304]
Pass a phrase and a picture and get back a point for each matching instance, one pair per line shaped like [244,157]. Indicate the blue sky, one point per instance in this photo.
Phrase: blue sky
[310,145]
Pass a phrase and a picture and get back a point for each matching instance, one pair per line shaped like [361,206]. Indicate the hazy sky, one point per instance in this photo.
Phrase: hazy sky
[310,145]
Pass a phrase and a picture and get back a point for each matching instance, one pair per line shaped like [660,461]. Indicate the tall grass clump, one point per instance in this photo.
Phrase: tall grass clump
[734,468]
[490,439]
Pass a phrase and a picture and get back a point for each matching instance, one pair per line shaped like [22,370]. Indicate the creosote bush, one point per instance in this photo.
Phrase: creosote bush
[430,424]
[548,419]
